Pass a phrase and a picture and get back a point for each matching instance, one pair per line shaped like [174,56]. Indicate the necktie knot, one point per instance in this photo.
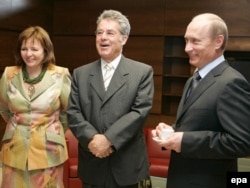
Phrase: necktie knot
[107,67]
[197,76]
[107,75]
[196,79]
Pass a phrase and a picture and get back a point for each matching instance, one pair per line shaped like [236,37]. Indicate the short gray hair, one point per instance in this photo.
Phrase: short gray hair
[119,18]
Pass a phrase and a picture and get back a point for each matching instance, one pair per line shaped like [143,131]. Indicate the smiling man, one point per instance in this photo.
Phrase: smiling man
[107,110]
[212,124]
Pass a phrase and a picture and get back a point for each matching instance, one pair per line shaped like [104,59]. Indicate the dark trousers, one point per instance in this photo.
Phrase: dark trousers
[84,185]
[109,183]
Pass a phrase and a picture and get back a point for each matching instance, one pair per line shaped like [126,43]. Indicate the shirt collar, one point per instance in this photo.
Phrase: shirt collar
[113,63]
[207,68]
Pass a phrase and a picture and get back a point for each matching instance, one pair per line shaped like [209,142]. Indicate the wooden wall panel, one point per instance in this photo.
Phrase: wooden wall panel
[71,18]
[79,17]
[7,43]
[23,13]
[93,55]
[147,49]
[156,109]
[238,43]
[152,120]
[71,51]
[179,13]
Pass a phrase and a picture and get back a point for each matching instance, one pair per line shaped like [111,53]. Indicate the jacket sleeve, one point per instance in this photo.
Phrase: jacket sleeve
[232,117]
[65,90]
[4,110]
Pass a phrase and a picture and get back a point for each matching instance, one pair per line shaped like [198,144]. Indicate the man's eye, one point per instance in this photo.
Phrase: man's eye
[99,32]
[196,41]
[110,33]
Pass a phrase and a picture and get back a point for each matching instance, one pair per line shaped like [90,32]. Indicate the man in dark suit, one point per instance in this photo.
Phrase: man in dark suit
[212,125]
[107,110]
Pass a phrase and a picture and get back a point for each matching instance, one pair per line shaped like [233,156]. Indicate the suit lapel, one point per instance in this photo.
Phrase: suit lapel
[96,79]
[202,87]
[17,81]
[46,82]
[204,84]
[183,98]
[118,79]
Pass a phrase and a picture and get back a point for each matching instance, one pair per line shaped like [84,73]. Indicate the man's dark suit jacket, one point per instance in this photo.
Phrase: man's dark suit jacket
[216,124]
[119,114]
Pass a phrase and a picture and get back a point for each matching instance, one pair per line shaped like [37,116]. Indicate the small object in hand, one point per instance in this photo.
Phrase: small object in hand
[165,133]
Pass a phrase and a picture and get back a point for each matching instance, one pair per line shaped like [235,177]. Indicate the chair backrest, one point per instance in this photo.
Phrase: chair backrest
[72,143]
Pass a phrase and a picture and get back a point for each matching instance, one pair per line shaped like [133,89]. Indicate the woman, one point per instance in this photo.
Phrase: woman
[33,100]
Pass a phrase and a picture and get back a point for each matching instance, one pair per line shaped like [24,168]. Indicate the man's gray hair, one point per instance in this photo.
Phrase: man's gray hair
[119,18]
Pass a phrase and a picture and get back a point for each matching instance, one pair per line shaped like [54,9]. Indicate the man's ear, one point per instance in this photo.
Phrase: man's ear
[124,39]
[219,41]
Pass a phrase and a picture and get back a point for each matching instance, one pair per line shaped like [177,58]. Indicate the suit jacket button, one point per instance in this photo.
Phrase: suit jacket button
[177,125]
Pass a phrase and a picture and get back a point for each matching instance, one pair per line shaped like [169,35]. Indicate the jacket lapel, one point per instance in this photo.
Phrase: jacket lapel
[46,82]
[17,81]
[204,84]
[202,87]
[118,79]
[96,79]
[183,98]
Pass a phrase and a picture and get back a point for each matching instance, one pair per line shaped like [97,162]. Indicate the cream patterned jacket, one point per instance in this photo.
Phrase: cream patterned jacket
[34,135]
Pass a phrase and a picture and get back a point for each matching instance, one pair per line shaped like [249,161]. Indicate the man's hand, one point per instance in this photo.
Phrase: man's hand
[100,146]
[173,142]
[157,131]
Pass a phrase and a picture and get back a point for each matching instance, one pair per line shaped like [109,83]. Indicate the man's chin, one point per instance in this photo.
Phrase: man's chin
[192,62]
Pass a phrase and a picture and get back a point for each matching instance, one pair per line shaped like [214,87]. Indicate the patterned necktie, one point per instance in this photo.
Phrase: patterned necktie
[195,81]
[107,76]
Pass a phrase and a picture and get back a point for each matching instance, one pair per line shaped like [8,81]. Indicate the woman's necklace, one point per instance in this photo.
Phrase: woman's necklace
[31,82]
